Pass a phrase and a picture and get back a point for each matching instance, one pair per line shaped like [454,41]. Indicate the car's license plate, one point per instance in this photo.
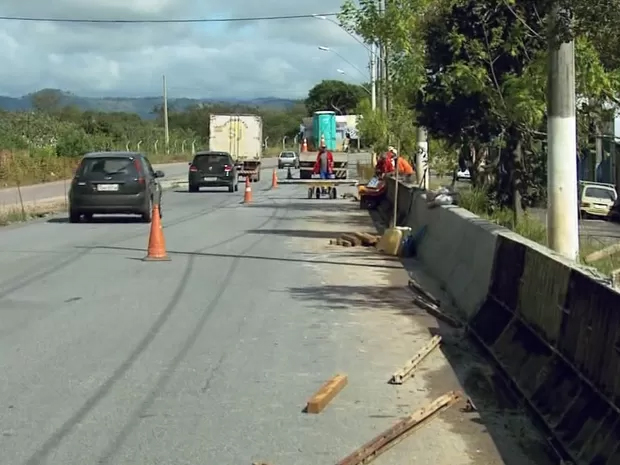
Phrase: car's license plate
[107,187]
[210,179]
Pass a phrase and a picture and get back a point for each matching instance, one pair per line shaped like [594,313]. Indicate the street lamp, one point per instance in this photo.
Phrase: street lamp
[341,71]
[373,59]
[357,39]
[327,49]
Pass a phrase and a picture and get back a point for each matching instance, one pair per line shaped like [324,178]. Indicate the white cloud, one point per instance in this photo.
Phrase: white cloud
[270,58]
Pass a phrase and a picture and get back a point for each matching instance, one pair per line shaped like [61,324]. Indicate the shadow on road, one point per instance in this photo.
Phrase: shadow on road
[344,297]
[223,190]
[251,257]
[317,205]
[104,219]
[358,222]
[309,234]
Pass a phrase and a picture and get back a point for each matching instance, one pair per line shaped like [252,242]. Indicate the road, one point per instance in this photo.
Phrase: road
[596,231]
[58,189]
[37,193]
[210,357]
[605,232]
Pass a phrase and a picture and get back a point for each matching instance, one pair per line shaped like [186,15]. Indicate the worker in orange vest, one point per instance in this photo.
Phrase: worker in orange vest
[405,170]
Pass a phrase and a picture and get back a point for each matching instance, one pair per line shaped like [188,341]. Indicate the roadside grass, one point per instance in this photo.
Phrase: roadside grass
[24,168]
[14,215]
[532,228]
[529,226]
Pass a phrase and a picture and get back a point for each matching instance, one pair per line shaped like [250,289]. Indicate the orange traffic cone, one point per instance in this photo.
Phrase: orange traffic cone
[247,198]
[274,179]
[304,146]
[157,243]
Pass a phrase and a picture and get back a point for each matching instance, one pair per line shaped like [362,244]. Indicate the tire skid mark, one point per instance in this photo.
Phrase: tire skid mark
[165,378]
[55,440]
[31,275]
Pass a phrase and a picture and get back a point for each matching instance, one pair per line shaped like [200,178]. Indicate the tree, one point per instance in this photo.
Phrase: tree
[338,96]
[398,28]
[485,90]
[46,100]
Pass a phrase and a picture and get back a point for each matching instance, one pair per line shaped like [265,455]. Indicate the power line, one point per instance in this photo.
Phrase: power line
[159,21]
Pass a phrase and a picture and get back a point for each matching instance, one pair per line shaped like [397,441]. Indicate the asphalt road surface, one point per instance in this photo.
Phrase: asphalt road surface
[58,189]
[210,357]
[595,230]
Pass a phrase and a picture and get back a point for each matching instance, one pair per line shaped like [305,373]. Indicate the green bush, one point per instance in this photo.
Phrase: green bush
[73,143]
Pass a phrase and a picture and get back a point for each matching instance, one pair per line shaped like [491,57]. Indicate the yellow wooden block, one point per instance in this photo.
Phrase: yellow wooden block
[326,393]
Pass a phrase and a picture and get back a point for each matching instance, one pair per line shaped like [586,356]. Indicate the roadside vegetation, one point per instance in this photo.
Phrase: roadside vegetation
[473,73]
[45,144]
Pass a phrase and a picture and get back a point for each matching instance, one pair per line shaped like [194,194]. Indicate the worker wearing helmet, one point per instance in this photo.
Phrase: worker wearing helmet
[405,170]
[384,165]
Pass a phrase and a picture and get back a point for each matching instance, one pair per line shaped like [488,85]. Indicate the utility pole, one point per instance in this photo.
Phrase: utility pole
[382,67]
[562,211]
[422,168]
[373,77]
[166,130]
[386,66]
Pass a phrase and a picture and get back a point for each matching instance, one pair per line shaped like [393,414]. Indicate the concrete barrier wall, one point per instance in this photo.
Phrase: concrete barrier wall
[553,327]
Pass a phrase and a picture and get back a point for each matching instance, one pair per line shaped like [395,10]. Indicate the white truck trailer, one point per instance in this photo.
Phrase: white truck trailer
[242,137]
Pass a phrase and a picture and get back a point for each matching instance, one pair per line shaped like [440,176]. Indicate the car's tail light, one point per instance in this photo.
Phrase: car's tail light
[136,163]
[228,168]
[193,169]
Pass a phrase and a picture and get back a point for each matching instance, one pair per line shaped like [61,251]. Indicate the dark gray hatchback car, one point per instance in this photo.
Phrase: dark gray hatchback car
[114,183]
[212,169]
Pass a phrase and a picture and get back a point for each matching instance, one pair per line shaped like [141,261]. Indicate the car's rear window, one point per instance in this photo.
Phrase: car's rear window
[108,166]
[600,193]
[214,160]
[287,155]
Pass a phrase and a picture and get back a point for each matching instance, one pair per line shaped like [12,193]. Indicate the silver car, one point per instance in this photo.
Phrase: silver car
[288,159]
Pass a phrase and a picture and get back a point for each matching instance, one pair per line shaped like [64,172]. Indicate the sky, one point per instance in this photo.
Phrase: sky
[204,60]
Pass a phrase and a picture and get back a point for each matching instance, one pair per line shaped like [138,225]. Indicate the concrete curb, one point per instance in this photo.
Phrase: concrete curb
[552,327]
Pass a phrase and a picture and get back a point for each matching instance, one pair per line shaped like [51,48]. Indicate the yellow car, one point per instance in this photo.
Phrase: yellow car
[596,199]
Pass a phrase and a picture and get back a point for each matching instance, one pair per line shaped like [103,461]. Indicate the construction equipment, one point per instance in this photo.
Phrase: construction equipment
[307,161]
[319,187]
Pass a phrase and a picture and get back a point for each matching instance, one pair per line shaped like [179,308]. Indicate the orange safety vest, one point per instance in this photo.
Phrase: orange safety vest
[404,167]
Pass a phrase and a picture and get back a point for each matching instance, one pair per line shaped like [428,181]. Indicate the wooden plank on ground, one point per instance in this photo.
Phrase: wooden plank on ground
[353,239]
[418,289]
[405,373]
[392,436]
[326,393]
[437,313]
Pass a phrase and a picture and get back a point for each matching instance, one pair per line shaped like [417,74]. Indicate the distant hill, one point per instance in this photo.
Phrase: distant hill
[143,106]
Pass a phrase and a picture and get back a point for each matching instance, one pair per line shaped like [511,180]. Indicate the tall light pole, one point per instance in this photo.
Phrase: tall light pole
[372,80]
[166,131]
[372,58]
[383,64]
